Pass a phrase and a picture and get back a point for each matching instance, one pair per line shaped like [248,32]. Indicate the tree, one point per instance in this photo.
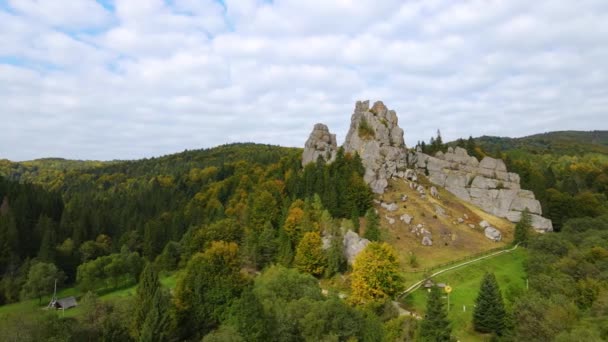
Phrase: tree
[372,226]
[489,314]
[156,326]
[435,327]
[144,295]
[310,257]
[41,280]
[375,274]
[9,241]
[206,288]
[336,261]
[523,228]
[248,317]
[46,227]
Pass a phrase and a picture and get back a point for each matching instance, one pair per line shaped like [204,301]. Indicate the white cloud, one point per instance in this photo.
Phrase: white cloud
[152,76]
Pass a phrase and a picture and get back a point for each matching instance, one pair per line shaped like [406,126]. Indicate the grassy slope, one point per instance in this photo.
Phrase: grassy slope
[451,240]
[33,304]
[465,282]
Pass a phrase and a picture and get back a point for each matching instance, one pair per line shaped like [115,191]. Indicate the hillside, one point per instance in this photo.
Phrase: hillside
[557,143]
[452,240]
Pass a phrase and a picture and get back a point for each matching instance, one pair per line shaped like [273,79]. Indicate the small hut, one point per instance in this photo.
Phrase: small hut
[64,303]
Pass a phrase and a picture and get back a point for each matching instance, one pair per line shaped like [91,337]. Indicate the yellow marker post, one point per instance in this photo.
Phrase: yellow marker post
[447,290]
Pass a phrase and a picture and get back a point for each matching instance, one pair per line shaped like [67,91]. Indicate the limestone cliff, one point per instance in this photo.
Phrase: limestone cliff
[376,136]
[320,143]
[486,184]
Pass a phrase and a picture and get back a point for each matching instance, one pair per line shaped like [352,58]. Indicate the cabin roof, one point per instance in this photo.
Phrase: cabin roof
[66,303]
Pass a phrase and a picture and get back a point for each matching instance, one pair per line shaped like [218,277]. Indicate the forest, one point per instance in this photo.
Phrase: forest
[249,235]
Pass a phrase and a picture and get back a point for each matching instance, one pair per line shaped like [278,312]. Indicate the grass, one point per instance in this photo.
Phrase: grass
[465,283]
[31,305]
[451,240]
[365,131]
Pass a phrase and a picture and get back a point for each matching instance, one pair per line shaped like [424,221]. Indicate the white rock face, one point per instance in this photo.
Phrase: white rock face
[486,184]
[353,245]
[376,136]
[484,224]
[320,143]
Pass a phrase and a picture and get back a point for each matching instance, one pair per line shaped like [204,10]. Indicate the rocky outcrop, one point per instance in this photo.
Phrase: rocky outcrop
[320,143]
[376,136]
[492,234]
[486,184]
[353,245]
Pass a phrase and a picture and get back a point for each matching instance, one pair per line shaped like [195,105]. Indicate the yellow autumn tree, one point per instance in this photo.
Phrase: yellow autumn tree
[376,274]
[293,223]
[310,257]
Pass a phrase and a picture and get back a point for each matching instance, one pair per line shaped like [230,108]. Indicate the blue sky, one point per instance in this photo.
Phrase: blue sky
[123,79]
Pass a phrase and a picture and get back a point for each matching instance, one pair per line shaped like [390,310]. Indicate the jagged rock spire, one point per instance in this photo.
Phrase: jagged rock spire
[320,143]
[376,136]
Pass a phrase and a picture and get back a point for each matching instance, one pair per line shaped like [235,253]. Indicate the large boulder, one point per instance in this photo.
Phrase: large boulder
[353,245]
[493,234]
[376,136]
[320,143]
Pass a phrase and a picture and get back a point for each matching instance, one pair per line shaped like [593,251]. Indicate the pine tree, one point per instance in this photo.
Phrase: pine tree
[336,262]
[489,315]
[372,230]
[146,290]
[435,327]
[156,325]
[523,228]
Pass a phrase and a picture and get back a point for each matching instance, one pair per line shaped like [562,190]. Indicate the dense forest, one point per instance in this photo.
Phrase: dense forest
[249,233]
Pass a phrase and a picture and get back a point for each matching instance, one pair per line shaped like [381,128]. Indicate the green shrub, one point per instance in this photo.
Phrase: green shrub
[366,132]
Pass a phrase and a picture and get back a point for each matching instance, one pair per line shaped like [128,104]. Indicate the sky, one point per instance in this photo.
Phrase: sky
[128,79]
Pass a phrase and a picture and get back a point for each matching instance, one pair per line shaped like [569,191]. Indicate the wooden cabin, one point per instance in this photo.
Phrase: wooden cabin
[64,303]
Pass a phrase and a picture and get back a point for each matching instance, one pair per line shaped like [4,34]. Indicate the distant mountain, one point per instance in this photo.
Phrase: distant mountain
[559,143]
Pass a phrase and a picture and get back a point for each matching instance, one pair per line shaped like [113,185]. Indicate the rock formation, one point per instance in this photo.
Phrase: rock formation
[486,184]
[376,136]
[353,245]
[320,143]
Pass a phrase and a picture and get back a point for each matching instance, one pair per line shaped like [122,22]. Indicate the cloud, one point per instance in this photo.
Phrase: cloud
[131,79]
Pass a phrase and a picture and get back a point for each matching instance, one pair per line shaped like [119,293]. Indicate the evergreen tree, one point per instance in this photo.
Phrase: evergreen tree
[46,227]
[156,325]
[9,241]
[372,226]
[489,314]
[523,228]
[284,249]
[336,262]
[435,327]
[144,296]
